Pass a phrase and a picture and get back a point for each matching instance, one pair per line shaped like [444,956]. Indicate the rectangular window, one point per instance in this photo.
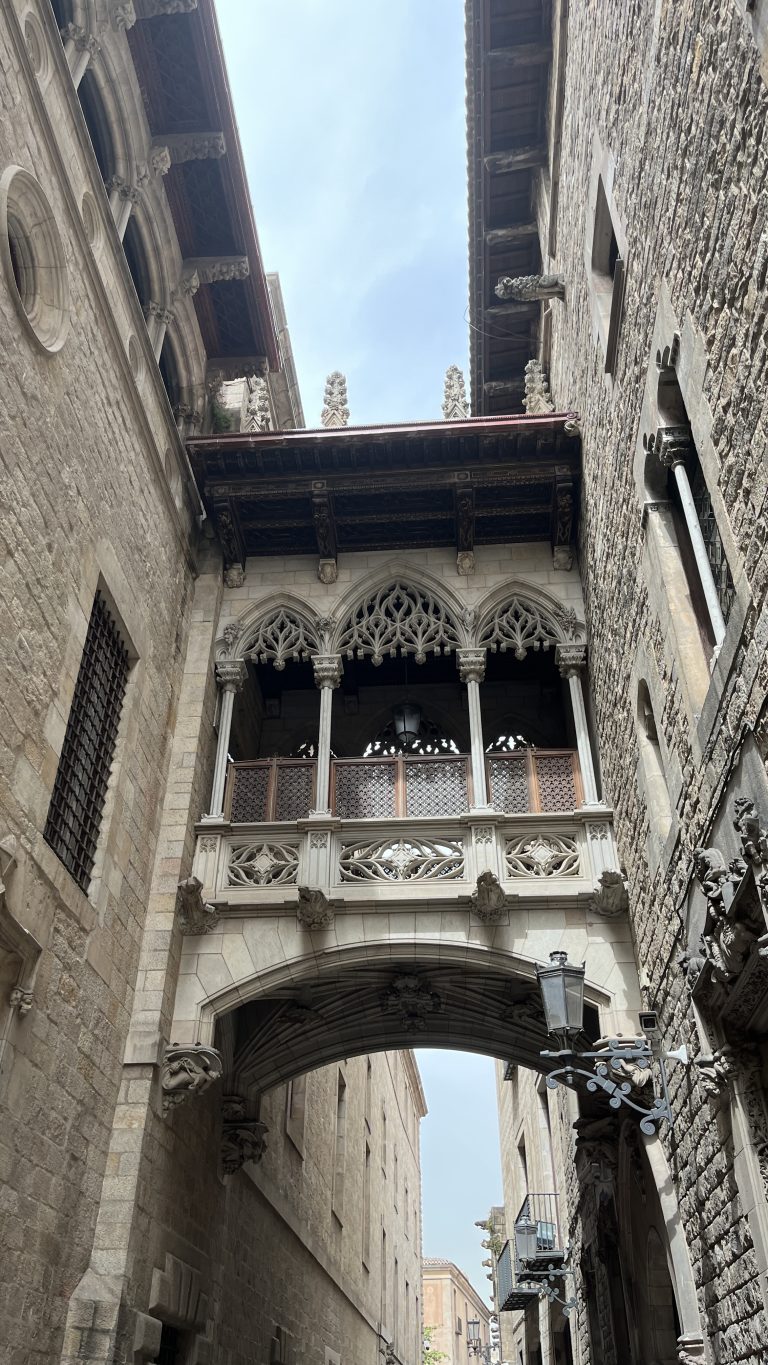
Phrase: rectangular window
[77,802]
[295,1111]
[367,1207]
[340,1147]
[607,277]
[383,1278]
[368,1090]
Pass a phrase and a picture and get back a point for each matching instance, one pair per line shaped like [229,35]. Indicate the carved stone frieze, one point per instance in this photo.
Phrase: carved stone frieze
[530,288]
[242,1138]
[412,999]
[200,270]
[188,1070]
[182,147]
[314,910]
[488,901]
[195,915]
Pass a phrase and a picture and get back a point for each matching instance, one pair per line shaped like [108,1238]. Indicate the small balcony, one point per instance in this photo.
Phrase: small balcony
[538,1244]
[512,1297]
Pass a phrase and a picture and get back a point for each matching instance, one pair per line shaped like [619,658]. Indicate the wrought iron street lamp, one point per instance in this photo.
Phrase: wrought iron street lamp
[473,1336]
[609,1067]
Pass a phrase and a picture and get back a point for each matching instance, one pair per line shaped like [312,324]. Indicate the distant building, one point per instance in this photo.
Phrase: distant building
[450,1303]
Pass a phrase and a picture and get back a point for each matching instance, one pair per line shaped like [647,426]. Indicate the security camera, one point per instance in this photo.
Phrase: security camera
[649,1023]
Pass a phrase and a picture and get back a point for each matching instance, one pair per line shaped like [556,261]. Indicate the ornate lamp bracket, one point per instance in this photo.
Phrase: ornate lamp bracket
[611,1065]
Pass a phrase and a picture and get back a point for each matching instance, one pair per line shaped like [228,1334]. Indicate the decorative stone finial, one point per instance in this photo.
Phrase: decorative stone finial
[455,404]
[335,411]
[537,398]
[530,288]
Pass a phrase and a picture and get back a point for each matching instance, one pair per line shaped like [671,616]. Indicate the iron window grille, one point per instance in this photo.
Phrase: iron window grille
[718,563]
[77,802]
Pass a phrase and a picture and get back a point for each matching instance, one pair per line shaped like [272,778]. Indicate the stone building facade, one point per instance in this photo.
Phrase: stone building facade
[621,220]
[454,1309]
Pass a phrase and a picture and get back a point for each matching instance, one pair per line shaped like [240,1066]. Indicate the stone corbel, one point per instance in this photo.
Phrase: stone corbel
[611,897]
[152,9]
[196,916]
[123,15]
[186,1071]
[242,1138]
[14,938]
[489,902]
[314,910]
[530,288]
[214,269]
[180,147]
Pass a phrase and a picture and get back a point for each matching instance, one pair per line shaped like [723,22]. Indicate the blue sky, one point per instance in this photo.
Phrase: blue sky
[351,115]
[460,1167]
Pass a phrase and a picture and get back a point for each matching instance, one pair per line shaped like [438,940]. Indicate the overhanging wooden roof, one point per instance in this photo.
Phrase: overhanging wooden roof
[480,481]
[180,65]
[508,60]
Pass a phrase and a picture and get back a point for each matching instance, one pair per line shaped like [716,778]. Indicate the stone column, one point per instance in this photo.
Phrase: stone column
[123,198]
[570,660]
[230,675]
[472,672]
[328,669]
[80,47]
[672,456]
[159,320]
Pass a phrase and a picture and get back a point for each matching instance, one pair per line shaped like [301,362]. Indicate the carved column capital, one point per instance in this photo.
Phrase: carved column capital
[570,659]
[471,664]
[81,39]
[231,674]
[327,669]
[670,445]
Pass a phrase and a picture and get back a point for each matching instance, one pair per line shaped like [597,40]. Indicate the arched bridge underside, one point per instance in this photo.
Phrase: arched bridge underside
[277,1000]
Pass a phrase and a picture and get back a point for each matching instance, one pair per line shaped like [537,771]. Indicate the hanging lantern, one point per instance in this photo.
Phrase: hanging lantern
[562,993]
[407,722]
[526,1239]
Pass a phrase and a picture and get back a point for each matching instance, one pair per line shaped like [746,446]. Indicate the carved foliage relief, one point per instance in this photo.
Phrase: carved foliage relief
[398,619]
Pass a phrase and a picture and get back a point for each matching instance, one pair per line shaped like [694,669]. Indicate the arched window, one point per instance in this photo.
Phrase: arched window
[656,790]
[97,123]
[169,371]
[430,738]
[136,257]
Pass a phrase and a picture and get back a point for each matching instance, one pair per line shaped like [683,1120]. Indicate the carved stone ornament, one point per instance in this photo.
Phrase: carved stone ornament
[530,288]
[726,940]
[327,669]
[187,1071]
[124,189]
[192,146]
[754,839]
[690,1350]
[242,1139]
[471,665]
[691,962]
[572,427]
[231,674]
[562,558]
[465,563]
[327,571]
[195,915]
[399,619]
[81,38]
[123,15]
[283,635]
[412,999]
[489,901]
[335,411]
[520,625]
[258,416]
[234,575]
[455,404]
[151,9]
[716,1073]
[314,910]
[15,940]
[230,634]
[537,401]
[216,269]
[611,897]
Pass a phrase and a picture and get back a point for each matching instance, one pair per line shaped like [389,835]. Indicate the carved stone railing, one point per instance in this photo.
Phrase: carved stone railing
[535,856]
[408,786]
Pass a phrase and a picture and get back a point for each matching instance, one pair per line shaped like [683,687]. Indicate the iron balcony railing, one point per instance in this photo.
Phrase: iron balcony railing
[511,1295]
[528,781]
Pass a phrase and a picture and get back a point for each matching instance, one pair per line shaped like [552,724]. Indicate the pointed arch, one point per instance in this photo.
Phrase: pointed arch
[519,616]
[275,631]
[399,613]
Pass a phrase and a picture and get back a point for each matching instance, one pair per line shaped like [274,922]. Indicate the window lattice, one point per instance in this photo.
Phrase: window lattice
[557,787]
[436,788]
[77,802]
[249,795]
[294,791]
[509,784]
[365,791]
[714,546]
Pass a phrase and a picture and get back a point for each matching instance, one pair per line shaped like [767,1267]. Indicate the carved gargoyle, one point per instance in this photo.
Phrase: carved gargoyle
[611,897]
[715,1074]
[489,901]
[188,1070]
[314,909]
[726,940]
[196,916]
[242,1139]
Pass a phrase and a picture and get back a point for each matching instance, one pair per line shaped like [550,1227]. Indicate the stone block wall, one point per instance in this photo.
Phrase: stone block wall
[670,102]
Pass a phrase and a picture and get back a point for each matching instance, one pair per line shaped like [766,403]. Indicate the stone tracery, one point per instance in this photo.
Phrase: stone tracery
[398,619]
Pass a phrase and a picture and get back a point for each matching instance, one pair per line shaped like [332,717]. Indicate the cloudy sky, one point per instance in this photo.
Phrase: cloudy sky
[351,114]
